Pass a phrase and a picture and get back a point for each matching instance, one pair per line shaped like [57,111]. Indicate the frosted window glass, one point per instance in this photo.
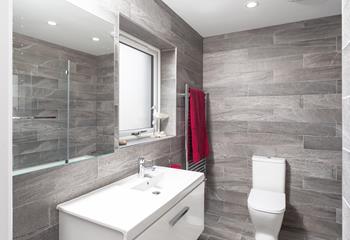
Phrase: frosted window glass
[135,89]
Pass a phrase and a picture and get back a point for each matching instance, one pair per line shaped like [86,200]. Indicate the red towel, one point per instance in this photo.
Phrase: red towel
[198,144]
[175,165]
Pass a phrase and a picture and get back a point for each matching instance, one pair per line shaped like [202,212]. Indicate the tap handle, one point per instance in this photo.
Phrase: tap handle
[141,160]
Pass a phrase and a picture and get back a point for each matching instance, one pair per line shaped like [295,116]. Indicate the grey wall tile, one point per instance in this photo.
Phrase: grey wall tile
[322,185]
[322,59]
[228,126]
[308,115]
[30,218]
[308,33]
[319,226]
[263,101]
[308,74]
[293,128]
[323,143]
[292,88]
[307,197]
[57,185]
[327,101]
[302,47]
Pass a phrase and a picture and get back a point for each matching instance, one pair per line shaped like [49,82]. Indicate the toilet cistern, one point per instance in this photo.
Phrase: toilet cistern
[267,201]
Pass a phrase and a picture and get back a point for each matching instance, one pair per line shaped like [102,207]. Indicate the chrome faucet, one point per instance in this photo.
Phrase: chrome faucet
[141,172]
[145,165]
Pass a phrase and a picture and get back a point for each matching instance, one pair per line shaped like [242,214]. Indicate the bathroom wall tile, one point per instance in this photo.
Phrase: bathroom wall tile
[25,136]
[218,105]
[326,101]
[126,159]
[190,76]
[242,227]
[243,115]
[221,231]
[46,233]
[293,128]
[234,91]
[340,43]
[327,214]
[322,59]
[243,64]
[287,234]
[322,185]
[30,218]
[156,150]
[256,139]
[339,216]
[263,101]
[308,74]
[33,187]
[322,227]
[323,21]
[237,41]
[168,86]
[292,88]
[323,143]
[228,126]
[308,115]
[216,75]
[307,33]
[297,196]
[203,237]
[295,48]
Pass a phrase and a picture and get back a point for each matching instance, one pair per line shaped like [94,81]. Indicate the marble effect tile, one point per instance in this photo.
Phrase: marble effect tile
[262,101]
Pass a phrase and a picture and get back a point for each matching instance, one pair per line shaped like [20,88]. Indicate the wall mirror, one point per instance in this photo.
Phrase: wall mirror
[63,84]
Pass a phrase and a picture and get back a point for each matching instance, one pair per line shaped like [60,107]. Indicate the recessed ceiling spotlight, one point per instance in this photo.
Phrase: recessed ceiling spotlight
[95,39]
[52,23]
[252,4]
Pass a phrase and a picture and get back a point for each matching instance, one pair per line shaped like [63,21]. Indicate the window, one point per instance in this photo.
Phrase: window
[138,86]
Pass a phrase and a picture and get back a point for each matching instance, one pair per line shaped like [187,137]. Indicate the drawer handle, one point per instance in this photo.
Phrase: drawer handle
[179,216]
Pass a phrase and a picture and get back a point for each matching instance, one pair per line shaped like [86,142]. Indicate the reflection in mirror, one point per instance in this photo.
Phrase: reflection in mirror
[63,84]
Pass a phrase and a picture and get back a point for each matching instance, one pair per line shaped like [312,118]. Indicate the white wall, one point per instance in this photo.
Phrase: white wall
[5,119]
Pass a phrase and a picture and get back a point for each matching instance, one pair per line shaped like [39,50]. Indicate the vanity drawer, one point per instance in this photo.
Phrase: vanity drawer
[185,221]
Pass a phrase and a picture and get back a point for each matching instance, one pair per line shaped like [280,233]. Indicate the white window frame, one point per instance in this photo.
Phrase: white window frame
[140,45]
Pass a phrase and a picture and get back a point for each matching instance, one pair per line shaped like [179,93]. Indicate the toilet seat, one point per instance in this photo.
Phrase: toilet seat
[266,201]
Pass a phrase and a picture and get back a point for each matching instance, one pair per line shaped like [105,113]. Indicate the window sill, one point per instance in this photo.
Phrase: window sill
[144,140]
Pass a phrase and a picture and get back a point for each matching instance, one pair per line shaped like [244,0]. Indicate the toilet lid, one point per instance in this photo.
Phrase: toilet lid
[266,201]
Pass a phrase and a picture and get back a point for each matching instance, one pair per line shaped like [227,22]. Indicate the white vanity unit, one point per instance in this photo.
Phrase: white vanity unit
[165,204]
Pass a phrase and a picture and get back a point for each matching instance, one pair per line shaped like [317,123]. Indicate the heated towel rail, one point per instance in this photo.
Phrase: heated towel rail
[200,166]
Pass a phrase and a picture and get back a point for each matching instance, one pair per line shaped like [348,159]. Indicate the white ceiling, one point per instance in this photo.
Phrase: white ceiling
[214,17]
[75,27]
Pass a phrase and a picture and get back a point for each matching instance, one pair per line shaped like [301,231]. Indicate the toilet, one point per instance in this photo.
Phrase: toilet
[267,199]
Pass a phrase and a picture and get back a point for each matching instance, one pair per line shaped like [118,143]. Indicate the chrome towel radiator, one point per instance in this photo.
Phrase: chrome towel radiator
[200,166]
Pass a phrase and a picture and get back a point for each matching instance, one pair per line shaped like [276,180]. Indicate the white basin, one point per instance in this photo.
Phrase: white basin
[152,180]
[133,204]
